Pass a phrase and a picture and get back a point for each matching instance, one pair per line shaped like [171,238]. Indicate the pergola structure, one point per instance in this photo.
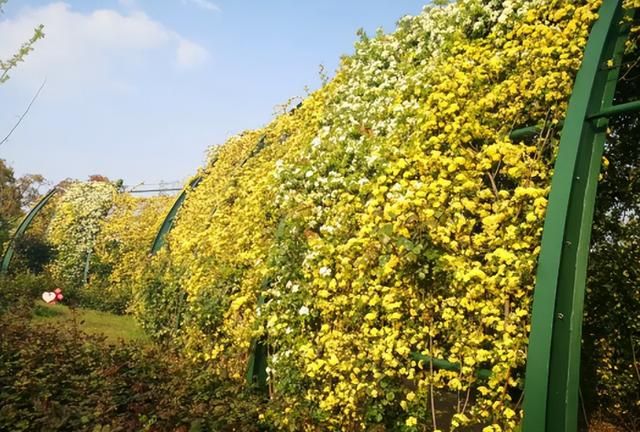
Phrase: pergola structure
[553,362]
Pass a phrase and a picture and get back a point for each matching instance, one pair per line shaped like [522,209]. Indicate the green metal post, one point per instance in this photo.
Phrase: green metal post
[257,364]
[167,224]
[24,224]
[87,266]
[553,363]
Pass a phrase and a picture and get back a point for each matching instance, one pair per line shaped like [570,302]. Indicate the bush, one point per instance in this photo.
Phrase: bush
[18,293]
[62,379]
[32,254]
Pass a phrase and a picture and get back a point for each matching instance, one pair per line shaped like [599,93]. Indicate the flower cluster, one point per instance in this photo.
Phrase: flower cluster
[123,245]
[102,238]
[75,226]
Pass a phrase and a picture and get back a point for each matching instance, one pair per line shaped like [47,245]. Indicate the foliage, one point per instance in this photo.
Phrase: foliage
[32,254]
[159,303]
[94,227]
[7,65]
[15,194]
[611,347]
[10,209]
[121,248]
[75,228]
[389,213]
[56,378]
[17,293]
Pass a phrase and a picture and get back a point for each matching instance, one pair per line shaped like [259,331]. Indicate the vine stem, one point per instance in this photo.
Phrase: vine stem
[433,404]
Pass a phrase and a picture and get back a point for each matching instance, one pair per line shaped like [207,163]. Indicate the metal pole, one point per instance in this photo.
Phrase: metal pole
[24,224]
[553,363]
[167,224]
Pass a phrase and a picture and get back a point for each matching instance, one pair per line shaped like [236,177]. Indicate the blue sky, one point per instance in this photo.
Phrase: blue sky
[138,89]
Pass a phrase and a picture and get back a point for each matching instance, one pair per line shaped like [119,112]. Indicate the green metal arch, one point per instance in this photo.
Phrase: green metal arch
[24,224]
[553,362]
[167,224]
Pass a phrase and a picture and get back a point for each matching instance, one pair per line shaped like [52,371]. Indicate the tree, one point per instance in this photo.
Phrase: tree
[29,187]
[10,200]
[16,194]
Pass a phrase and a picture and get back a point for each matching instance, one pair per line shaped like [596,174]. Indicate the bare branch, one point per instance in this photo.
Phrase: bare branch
[6,138]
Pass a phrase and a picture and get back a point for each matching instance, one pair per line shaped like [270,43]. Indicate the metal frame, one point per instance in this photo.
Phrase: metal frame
[24,224]
[553,362]
[167,224]
[258,353]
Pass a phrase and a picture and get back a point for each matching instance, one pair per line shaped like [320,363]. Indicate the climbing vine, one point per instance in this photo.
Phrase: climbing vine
[388,218]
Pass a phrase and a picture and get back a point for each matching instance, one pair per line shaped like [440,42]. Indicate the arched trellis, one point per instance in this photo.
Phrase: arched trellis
[22,228]
[257,363]
[553,361]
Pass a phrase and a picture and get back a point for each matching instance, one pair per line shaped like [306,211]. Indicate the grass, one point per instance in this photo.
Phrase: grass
[114,327]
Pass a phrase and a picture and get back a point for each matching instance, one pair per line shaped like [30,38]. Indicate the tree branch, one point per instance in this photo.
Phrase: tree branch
[6,138]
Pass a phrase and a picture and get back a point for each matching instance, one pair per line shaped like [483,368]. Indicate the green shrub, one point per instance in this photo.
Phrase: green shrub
[62,379]
[32,254]
[20,291]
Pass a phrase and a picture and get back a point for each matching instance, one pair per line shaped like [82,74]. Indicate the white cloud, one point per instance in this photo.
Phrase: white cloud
[190,54]
[203,4]
[94,48]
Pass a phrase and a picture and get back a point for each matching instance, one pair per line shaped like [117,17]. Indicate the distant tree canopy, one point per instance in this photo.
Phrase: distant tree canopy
[10,199]
[16,194]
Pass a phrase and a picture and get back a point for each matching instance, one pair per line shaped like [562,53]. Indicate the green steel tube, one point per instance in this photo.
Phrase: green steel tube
[446,365]
[553,362]
[529,131]
[167,224]
[87,265]
[616,109]
[525,132]
[257,364]
[24,224]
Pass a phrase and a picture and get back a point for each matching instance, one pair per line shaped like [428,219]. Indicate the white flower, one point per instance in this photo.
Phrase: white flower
[325,271]
[303,310]
[327,229]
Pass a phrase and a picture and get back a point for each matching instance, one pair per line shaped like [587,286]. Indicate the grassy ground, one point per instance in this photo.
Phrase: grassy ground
[114,327]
